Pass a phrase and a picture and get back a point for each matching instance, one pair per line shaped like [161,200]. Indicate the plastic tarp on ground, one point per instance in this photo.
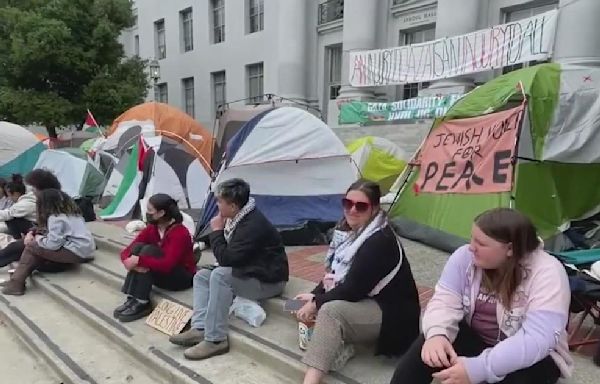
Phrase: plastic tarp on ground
[19,149]
[552,185]
[297,168]
[77,174]
[378,160]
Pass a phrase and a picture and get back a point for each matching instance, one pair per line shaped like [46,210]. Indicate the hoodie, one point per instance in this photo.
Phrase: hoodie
[25,207]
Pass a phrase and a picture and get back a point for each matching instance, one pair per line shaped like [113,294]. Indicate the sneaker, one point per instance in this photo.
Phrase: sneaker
[188,338]
[344,354]
[13,289]
[206,349]
[135,311]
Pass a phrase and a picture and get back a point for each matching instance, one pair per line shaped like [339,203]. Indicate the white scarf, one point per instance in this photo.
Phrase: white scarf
[344,246]
[230,224]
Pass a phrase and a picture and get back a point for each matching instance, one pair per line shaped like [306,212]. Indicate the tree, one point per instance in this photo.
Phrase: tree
[61,57]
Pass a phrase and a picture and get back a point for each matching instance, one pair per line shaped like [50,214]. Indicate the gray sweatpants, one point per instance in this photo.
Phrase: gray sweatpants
[213,295]
[341,322]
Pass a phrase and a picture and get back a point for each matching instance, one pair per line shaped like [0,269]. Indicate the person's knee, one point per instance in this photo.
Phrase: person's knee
[333,309]
[150,250]
[220,274]
[201,278]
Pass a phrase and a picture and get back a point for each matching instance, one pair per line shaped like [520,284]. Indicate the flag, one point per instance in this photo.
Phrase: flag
[142,152]
[90,124]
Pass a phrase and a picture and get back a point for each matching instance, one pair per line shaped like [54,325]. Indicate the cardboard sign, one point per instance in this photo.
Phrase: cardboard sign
[169,317]
[472,155]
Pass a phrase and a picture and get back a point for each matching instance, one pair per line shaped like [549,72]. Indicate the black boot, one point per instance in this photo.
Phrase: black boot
[135,311]
[124,306]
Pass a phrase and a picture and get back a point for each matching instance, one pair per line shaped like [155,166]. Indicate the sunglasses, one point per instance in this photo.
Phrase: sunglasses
[359,206]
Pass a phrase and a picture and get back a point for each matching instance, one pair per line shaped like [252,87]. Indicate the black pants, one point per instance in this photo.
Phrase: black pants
[18,226]
[139,285]
[411,368]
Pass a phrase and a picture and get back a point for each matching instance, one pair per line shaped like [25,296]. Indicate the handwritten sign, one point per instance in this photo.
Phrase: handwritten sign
[496,47]
[169,317]
[472,155]
[417,108]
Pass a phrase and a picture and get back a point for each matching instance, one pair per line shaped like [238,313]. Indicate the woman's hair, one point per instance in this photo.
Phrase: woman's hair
[3,183]
[371,190]
[41,179]
[235,191]
[15,185]
[164,202]
[508,226]
[54,202]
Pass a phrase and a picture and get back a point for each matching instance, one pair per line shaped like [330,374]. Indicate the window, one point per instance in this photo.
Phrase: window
[255,83]
[218,20]
[219,84]
[411,90]
[334,64]
[136,45]
[134,13]
[161,43]
[188,96]
[520,15]
[161,93]
[187,29]
[256,15]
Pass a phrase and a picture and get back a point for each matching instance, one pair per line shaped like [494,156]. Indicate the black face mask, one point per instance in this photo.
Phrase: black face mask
[151,219]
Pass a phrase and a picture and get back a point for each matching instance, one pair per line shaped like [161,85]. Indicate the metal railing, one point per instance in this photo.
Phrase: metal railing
[331,10]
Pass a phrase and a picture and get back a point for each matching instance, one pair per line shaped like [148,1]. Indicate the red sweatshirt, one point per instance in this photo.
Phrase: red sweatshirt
[176,245]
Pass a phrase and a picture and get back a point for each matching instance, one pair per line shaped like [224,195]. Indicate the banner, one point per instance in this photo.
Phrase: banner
[472,155]
[360,112]
[496,47]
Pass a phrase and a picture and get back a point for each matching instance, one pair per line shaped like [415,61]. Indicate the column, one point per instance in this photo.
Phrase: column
[577,33]
[292,65]
[456,17]
[360,33]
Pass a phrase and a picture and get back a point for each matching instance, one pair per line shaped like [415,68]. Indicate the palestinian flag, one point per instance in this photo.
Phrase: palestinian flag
[90,124]
[127,194]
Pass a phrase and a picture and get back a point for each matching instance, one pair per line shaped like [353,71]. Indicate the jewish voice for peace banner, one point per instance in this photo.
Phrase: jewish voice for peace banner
[360,112]
[473,155]
[495,47]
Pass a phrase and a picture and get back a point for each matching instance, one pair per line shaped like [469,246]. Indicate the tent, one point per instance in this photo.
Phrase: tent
[154,165]
[378,160]
[297,168]
[555,157]
[73,139]
[19,149]
[152,119]
[76,172]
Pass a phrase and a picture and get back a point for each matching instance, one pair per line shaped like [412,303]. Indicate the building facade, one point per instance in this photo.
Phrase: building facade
[216,51]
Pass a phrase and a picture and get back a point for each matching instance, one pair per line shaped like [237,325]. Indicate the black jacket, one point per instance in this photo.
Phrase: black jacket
[399,300]
[255,249]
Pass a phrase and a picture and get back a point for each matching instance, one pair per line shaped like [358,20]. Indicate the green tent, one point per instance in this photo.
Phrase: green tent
[77,174]
[557,167]
[378,160]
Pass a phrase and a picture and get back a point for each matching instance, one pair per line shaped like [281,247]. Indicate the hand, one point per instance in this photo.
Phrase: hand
[308,312]
[217,223]
[456,374]
[29,238]
[437,352]
[305,297]
[131,262]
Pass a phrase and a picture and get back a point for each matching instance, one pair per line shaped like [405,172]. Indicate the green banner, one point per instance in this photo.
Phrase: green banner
[361,112]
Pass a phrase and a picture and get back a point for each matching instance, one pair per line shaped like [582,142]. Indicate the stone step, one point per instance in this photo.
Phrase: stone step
[93,301]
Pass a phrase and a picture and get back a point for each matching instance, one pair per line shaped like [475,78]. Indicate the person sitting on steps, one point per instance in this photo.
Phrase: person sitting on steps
[252,264]
[369,293]
[61,237]
[498,314]
[20,217]
[36,181]
[5,201]
[161,255]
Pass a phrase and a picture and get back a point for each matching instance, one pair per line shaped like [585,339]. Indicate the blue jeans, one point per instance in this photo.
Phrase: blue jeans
[213,295]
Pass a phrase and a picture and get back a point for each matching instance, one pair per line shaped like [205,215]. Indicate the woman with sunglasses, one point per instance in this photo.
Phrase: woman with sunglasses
[368,293]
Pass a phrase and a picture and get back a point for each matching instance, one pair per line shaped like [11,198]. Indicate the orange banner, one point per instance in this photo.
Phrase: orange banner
[472,155]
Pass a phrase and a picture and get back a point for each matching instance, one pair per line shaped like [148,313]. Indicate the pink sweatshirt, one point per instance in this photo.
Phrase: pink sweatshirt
[535,326]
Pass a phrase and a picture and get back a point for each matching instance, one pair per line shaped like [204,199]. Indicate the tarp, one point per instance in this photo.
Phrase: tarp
[543,190]
[378,160]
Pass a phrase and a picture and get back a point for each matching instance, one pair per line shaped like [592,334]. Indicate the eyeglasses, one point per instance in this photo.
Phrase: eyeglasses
[359,206]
